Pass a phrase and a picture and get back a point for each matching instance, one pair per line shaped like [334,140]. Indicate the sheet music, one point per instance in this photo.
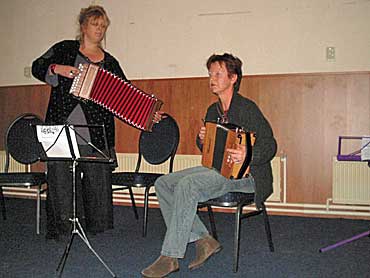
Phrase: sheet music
[53,139]
[365,148]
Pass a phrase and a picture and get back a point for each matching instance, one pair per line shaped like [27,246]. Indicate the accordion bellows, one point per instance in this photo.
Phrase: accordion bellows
[123,99]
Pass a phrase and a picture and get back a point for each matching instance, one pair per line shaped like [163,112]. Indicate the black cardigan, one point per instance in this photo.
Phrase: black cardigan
[245,113]
[61,103]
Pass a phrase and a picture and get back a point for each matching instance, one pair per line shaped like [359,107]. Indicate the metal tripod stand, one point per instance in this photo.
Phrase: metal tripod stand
[77,229]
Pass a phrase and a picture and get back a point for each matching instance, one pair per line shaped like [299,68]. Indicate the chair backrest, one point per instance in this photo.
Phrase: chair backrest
[21,140]
[161,143]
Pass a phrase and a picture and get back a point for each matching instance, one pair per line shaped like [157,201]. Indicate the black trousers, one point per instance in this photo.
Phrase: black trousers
[94,203]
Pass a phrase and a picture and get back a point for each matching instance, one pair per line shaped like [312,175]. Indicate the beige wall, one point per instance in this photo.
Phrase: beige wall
[168,38]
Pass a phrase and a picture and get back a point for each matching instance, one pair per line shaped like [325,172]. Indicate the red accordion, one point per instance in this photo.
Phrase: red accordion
[124,100]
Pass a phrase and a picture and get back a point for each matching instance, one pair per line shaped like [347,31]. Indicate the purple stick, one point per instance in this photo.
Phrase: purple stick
[344,241]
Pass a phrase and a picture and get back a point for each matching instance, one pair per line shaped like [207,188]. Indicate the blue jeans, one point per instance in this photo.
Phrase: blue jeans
[180,192]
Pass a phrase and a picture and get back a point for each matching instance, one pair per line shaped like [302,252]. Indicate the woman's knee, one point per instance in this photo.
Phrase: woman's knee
[162,185]
[160,182]
[187,187]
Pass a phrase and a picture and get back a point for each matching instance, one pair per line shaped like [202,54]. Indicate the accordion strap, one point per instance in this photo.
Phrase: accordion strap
[247,158]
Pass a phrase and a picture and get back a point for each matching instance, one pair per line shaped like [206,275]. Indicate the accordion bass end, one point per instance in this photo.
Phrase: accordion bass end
[123,99]
[217,139]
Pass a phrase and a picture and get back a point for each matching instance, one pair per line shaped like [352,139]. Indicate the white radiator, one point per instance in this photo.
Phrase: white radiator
[351,182]
[127,162]
[276,173]
[14,166]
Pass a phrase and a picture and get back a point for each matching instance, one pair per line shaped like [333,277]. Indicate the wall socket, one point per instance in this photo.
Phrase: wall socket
[27,72]
[330,53]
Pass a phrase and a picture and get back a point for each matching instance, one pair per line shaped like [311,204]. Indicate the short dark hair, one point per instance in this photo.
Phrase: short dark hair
[232,63]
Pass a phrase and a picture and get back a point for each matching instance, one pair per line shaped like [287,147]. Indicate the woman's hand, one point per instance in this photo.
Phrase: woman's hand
[202,134]
[237,155]
[158,116]
[66,71]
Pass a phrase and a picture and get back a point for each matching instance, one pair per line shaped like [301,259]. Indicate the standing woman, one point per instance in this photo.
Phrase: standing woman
[57,67]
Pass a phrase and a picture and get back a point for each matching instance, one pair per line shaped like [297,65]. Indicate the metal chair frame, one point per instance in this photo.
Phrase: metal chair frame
[238,200]
[28,178]
[127,180]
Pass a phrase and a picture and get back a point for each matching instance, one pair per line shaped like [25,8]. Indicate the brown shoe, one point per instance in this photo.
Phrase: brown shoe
[161,267]
[205,248]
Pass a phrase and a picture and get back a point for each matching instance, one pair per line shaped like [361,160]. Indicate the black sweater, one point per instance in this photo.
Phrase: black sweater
[245,113]
[61,103]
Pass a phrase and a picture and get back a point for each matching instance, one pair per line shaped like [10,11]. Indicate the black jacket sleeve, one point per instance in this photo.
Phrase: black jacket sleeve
[54,55]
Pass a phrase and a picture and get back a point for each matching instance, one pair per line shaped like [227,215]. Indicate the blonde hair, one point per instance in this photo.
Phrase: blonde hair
[93,11]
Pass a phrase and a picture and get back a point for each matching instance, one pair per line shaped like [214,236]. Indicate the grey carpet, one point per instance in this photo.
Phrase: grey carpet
[297,242]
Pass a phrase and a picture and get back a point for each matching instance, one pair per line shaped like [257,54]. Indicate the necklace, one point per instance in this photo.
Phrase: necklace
[223,119]
[99,63]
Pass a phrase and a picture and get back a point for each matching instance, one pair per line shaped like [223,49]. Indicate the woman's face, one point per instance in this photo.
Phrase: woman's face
[94,30]
[220,82]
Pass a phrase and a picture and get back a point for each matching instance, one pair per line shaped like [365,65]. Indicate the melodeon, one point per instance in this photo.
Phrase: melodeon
[220,137]
[124,100]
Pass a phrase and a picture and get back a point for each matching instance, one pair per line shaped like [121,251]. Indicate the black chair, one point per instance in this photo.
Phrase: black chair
[21,144]
[156,148]
[237,200]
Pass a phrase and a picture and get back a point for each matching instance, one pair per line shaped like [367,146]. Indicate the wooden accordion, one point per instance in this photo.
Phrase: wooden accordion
[220,137]
[124,100]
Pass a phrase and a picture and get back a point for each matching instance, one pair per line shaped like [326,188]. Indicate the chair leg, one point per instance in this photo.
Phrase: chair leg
[238,216]
[38,210]
[133,202]
[2,200]
[146,203]
[267,228]
[212,222]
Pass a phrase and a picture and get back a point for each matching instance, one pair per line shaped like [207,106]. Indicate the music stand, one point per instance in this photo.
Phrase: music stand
[59,143]
[362,155]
